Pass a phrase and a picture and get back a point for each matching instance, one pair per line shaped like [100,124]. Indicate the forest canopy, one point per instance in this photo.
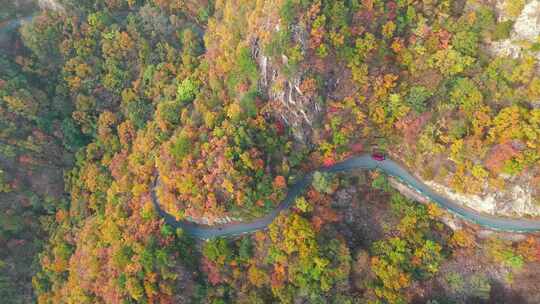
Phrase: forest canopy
[214,109]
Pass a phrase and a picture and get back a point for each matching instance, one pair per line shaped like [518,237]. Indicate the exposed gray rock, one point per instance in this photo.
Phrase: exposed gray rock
[526,28]
[298,110]
[51,5]
[514,201]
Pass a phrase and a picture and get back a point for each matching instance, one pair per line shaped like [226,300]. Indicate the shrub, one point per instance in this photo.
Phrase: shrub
[466,94]
[380,182]
[450,62]
[245,71]
[480,286]
[458,129]
[168,114]
[455,282]
[181,146]
[417,97]
[248,104]
[502,30]
[187,90]
[303,205]
[73,137]
[245,249]
[139,112]
[4,185]
[217,249]
[514,7]
[466,42]
[502,252]
[323,182]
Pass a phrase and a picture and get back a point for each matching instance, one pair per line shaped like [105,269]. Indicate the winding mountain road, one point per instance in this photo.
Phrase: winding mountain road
[364,162]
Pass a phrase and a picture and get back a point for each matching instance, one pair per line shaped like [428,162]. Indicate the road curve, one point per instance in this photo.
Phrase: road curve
[364,162]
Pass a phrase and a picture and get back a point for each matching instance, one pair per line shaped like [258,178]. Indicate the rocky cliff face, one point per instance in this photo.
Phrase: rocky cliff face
[299,110]
[516,201]
[526,29]
[51,5]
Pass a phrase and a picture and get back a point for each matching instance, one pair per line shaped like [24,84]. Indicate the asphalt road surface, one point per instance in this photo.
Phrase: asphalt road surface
[362,162]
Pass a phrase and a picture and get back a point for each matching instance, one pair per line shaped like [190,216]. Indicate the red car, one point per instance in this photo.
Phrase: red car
[378,156]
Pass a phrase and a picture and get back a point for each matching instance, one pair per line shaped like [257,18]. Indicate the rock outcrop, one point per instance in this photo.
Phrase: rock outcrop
[526,28]
[299,110]
[51,5]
